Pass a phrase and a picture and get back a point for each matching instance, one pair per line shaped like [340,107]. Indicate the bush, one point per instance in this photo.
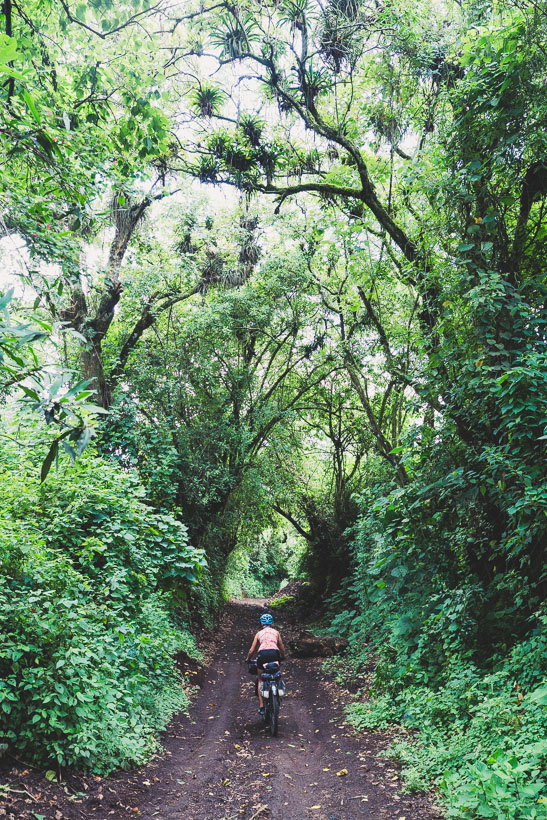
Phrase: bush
[87,676]
[479,735]
[444,636]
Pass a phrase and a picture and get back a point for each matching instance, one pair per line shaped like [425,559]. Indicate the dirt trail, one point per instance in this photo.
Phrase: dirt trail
[221,764]
[225,765]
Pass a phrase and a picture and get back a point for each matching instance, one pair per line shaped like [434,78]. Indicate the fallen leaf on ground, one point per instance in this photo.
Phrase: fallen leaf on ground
[342,773]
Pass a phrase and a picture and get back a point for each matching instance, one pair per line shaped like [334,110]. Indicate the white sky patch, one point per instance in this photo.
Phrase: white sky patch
[14,261]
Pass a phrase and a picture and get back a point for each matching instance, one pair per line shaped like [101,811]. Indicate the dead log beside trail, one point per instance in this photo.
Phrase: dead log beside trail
[317,646]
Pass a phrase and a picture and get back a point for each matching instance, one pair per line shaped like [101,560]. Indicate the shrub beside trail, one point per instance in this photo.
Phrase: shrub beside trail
[87,575]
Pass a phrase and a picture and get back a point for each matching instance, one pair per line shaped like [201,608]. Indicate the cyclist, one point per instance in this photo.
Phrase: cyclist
[270,648]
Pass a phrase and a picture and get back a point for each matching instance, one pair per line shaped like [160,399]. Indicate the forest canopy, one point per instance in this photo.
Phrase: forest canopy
[274,304]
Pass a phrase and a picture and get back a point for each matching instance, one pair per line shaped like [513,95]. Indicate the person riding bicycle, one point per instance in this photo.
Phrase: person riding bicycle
[270,648]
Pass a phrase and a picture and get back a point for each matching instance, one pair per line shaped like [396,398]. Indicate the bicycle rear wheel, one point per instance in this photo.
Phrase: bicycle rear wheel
[274,713]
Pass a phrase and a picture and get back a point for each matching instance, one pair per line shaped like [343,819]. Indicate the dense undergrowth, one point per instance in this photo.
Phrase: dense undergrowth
[87,572]
[456,662]
[480,734]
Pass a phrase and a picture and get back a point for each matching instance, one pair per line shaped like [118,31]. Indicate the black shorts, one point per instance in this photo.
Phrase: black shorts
[267,656]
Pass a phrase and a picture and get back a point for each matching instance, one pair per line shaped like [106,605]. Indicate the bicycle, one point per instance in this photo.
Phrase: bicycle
[272,689]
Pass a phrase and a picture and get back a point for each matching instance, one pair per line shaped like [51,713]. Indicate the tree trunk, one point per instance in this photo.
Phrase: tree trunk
[92,368]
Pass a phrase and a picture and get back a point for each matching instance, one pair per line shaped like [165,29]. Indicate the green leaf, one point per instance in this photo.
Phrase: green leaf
[539,696]
[69,449]
[32,107]
[84,440]
[79,387]
[8,48]
[6,299]
[11,72]
[32,394]
[48,461]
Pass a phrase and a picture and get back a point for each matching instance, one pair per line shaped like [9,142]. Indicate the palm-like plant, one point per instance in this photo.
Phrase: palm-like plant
[311,84]
[296,13]
[252,128]
[336,40]
[339,30]
[269,156]
[311,161]
[239,157]
[234,36]
[208,169]
[207,99]
[218,143]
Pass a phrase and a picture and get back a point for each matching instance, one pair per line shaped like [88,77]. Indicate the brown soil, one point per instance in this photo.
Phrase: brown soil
[219,763]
